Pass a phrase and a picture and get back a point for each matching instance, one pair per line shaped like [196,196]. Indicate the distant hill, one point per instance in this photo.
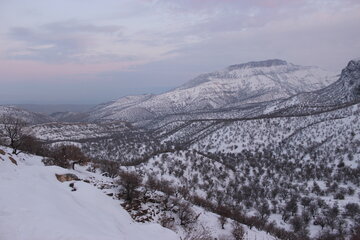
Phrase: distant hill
[54,108]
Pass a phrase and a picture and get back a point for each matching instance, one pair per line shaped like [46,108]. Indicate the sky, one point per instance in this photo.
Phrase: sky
[92,51]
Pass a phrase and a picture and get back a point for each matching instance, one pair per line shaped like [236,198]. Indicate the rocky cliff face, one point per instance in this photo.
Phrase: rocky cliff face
[266,63]
[350,76]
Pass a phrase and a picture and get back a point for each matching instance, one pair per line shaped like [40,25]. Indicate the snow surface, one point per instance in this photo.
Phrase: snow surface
[35,205]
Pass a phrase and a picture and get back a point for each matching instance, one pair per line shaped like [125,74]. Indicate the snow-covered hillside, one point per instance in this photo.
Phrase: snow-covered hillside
[299,167]
[237,85]
[27,116]
[35,205]
[117,141]
[260,165]
[75,131]
[69,116]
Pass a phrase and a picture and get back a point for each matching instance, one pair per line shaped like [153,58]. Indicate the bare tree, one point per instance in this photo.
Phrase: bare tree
[352,209]
[109,168]
[61,156]
[224,213]
[167,188]
[264,210]
[356,233]
[238,231]
[166,221]
[13,130]
[291,206]
[199,234]
[130,181]
[222,221]
[75,154]
[186,214]
[297,223]
[152,183]
[32,145]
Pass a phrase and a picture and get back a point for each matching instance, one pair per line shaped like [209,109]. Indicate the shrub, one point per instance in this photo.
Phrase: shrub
[186,214]
[62,155]
[130,181]
[238,231]
[49,161]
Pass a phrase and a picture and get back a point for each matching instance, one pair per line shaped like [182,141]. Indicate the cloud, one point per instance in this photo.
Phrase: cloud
[82,42]
[164,42]
[60,42]
[73,26]
[326,38]
[162,32]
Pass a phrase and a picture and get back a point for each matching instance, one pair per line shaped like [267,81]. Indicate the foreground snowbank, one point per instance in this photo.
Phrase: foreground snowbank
[35,205]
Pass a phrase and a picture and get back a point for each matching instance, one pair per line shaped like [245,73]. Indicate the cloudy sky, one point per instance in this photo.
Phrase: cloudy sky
[91,51]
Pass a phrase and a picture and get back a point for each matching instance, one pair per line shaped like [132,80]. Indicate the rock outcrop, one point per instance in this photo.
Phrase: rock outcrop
[67,177]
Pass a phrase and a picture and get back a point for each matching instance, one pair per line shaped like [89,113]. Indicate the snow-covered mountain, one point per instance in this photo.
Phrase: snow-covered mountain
[252,82]
[346,90]
[25,115]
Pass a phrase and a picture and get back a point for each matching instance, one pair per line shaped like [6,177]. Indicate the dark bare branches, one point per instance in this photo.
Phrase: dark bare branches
[13,130]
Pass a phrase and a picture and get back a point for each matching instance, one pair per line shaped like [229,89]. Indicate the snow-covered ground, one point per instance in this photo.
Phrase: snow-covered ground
[34,205]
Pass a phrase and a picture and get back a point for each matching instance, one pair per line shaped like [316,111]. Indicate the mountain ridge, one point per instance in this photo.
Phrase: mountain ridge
[345,90]
[251,82]
[25,115]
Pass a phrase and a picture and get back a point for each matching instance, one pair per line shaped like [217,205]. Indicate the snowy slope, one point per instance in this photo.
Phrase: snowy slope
[75,131]
[68,116]
[236,85]
[282,153]
[27,116]
[110,141]
[35,205]
[128,105]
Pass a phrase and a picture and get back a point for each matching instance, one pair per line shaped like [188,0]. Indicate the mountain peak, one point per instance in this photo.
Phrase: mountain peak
[254,64]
